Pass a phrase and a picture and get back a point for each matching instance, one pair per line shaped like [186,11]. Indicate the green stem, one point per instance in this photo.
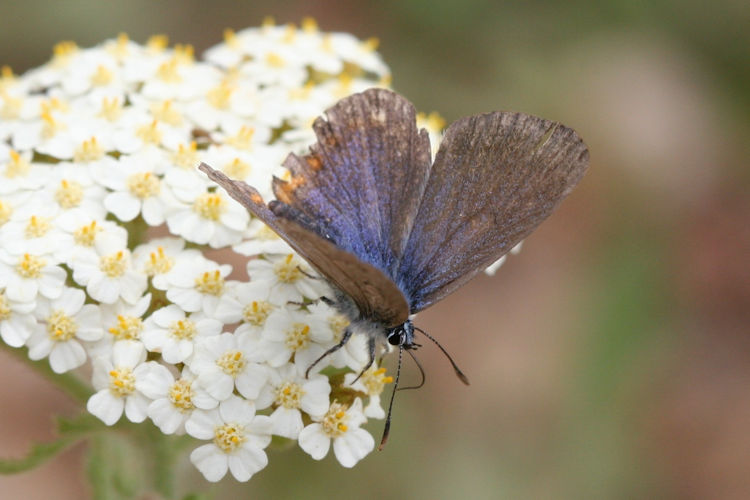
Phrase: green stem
[69,382]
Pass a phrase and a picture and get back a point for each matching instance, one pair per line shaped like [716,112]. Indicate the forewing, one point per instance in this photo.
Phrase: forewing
[496,177]
[376,295]
[363,179]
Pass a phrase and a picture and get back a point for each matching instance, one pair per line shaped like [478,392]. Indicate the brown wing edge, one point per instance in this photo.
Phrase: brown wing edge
[376,296]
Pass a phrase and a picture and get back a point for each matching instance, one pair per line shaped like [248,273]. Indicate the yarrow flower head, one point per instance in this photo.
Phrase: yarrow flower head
[116,249]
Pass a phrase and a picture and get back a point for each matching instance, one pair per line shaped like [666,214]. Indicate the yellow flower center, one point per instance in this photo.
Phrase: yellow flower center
[338,324]
[186,156]
[298,337]
[289,395]
[127,328]
[243,139]
[69,194]
[85,235]
[61,327]
[5,212]
[149,133]
[119,49]
[18,166]
[371,44]
[374,379]
[37,227]
[114,265]
[210,283]
[229,437]
[30,266]
[432,122]
[184,54]
[166,112]
[5,311]
[274,60]
[288,270]
[237,169]
[232,362]
[88,151]
[62,52]
[158,262]
[334,421]
[181,395]
[210,206]
[219,97]
[230,38]
[11,109]
[157,43]
[168,73]
[144,185]
[309,25]
[121,382]
[50,126]
[257,312]
[102,76]
[111,109]
[183,329]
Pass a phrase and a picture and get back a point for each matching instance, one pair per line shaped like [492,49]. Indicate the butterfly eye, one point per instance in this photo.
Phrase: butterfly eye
[396,336]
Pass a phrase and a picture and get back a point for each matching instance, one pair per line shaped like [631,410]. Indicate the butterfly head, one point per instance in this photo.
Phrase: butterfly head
[402,335]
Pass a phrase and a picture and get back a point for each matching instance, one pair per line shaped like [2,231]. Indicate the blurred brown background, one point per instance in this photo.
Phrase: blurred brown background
[611,358]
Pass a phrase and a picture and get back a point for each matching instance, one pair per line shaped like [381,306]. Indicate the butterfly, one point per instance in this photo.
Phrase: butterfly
[394,232]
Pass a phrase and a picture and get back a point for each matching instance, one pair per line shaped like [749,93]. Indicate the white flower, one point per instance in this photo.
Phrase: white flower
[137,189]
[197,284]
[82,230]
[121,321]
[173,401]
[29,276]
[115,379]
[238,439]
[19,173]
[158,259]
[108,273]
[170,331]
[371,382]
[212,217]
[31,230]
[246,302]
[289,276]
[16,320]
[291,394]
[355,353]
[342,426]
[302,334]
[63,323]
[225,362]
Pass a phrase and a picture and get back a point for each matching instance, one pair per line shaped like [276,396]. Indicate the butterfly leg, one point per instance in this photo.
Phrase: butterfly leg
[344,339]
[371,351]
[322,299]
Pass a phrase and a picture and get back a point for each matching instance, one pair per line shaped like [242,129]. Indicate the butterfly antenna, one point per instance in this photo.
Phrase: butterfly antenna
[421,372]
[463,378]
[387,428]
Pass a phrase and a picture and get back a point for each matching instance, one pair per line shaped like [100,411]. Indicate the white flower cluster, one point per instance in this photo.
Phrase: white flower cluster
[105,223]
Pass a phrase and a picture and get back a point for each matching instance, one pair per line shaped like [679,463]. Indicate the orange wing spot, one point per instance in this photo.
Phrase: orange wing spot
[331,141]
[314,162]
[256,198]
[285,189]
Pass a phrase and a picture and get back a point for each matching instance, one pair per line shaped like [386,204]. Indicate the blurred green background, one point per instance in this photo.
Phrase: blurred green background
[611,358]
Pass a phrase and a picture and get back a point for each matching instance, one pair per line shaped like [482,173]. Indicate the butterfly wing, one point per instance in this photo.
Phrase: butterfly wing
[364,176]
[374,293]
[495,178]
